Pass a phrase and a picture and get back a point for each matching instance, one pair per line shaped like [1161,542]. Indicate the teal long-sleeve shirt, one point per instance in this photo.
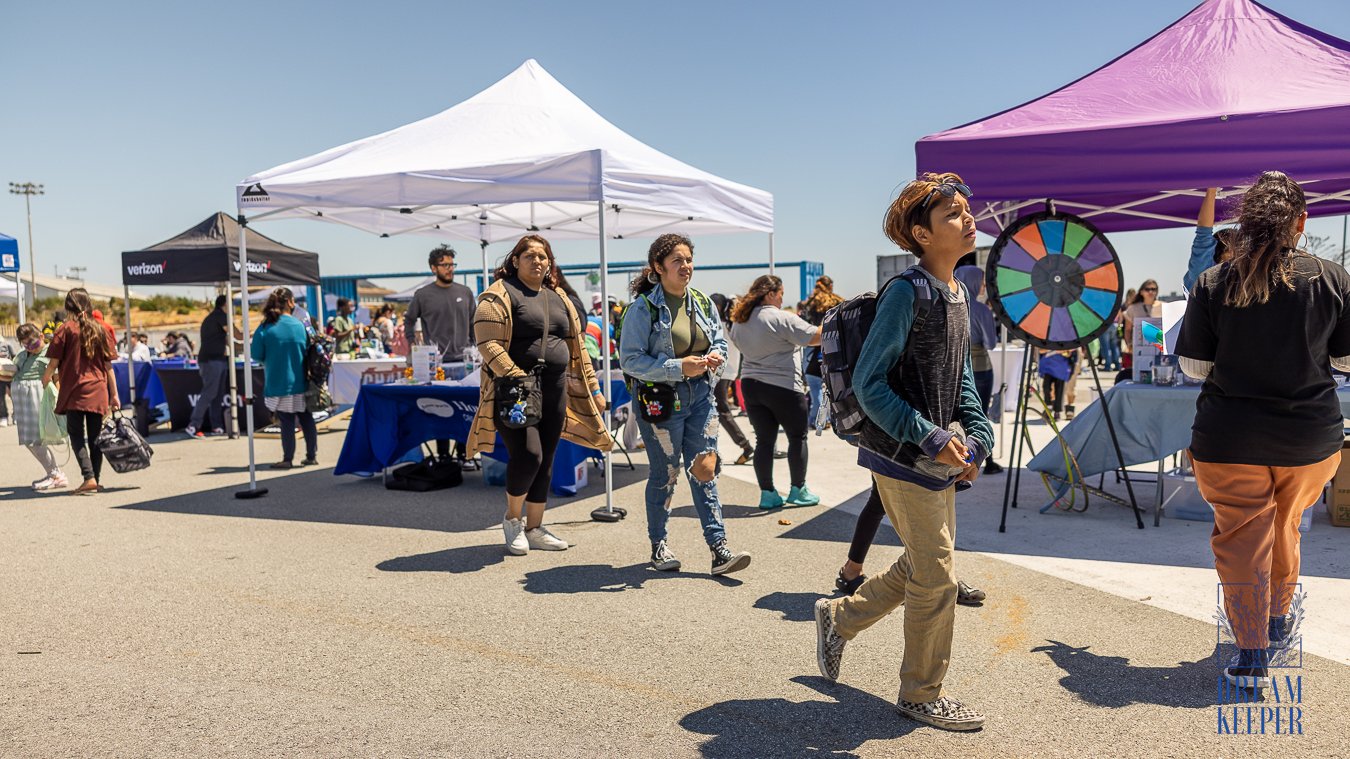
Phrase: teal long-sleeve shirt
[884,346]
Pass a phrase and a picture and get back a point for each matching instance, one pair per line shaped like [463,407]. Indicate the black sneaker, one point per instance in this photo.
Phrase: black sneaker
[724,561]
[966,595]
[1279,633]
[992,467]
[849,587]
[1248,670]
[946,713]
[829,646]
[311,461]
[662,559]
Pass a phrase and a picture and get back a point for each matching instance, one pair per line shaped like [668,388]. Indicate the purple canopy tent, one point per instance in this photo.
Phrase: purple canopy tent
[1228,91]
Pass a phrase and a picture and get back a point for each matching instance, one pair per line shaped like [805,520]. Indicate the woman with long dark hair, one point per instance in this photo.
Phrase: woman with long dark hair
[671,344]
[771,340]
[525,323]
[280,345]
[813,310]
[81,355]
[1263,330]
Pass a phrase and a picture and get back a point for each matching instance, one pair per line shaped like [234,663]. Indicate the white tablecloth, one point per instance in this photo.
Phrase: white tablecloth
[346,377]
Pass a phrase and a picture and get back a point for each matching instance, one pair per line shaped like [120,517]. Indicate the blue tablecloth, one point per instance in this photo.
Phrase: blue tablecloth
[389,421]
[147,383]
[1151,422]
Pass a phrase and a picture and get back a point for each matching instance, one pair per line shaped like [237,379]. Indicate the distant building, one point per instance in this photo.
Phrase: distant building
[50,286]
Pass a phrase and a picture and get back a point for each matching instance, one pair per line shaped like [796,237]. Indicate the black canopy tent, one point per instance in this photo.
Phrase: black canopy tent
[208,254]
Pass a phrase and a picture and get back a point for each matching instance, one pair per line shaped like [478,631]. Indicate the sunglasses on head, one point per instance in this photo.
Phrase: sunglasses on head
[946,190]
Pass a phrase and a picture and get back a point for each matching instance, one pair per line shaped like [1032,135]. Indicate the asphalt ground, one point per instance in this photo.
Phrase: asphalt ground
[164,617]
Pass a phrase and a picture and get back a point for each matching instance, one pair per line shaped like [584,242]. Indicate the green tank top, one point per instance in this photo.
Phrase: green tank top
[684,332]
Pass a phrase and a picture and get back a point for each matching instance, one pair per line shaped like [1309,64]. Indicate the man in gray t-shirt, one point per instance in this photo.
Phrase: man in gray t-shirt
[444,306]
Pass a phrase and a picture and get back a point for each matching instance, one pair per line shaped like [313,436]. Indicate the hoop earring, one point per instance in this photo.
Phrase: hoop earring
[653,277]
[1303,237]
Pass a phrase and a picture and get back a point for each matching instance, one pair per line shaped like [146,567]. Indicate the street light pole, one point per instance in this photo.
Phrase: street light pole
[28,190]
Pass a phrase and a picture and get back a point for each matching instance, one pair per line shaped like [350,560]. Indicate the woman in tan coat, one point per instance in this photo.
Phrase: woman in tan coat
[524,324]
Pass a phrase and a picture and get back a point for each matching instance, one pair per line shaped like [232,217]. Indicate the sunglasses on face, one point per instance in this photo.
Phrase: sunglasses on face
[1149,290]
[946,190]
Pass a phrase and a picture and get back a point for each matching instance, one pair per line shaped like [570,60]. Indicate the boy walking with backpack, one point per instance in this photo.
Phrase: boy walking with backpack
[924,430]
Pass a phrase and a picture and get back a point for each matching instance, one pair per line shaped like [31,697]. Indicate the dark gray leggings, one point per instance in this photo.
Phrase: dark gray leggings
[288,434]
[83,428]
[529,467]
[770,407]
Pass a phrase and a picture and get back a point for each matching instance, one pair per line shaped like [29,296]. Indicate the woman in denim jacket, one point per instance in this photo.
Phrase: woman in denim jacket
[671,337]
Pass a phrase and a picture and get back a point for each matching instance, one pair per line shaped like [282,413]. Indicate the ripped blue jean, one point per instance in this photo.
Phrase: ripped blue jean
[689,432]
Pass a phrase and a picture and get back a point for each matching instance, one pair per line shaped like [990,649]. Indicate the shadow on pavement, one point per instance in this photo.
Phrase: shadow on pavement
[836,727]
[602,578]
[454,560]
[795,607]
[315,495]
[729,511]
[1111,681]
[836,526]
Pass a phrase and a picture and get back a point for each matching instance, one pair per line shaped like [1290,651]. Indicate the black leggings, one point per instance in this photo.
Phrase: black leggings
[1053,391]
[311,432]
[869,520]
[770,407]
[83,428]
[724,414]
[530,466]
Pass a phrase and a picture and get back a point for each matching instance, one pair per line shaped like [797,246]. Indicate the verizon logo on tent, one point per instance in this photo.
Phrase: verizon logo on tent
[254,193]
[141,270]
[255,267]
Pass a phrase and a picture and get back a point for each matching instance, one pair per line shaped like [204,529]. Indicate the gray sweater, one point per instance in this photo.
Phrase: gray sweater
[447,318]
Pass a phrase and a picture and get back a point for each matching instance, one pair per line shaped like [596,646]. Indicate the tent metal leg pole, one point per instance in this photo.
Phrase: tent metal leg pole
[1022,440]
[231,427]
[771,261]
[1003,382]
[19,296]
[1115,443]
[131,362]
[1019,419]
[609,513]
[253,490]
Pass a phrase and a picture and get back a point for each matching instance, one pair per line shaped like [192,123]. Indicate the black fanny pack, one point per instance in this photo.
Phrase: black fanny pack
[655,400]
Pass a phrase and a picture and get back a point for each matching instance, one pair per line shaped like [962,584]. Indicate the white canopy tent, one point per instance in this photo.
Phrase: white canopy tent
[10,289]
[524,155]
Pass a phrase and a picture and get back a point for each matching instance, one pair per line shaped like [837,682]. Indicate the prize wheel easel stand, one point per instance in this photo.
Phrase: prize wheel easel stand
[1054,282]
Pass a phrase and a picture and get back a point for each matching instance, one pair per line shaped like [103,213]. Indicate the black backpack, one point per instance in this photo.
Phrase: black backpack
[842,333]
[318,359]
[431,473]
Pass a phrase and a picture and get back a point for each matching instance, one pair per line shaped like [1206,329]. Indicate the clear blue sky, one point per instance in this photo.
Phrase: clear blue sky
[140,117]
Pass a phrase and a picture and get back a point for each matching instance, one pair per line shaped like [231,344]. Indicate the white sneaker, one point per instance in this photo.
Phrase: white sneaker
[516,542]
[4,422]
[542,540]
[52,482]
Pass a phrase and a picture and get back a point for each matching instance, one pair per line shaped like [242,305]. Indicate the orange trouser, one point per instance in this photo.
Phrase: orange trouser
[1256,539]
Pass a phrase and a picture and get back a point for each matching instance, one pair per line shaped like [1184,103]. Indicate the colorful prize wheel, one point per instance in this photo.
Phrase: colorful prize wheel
[1054,281]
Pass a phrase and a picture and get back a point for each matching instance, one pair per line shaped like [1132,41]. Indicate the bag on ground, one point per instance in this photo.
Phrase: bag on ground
[431,473]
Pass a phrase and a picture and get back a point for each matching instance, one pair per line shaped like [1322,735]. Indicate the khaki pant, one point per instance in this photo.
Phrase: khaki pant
[1256,539]
[923,579]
